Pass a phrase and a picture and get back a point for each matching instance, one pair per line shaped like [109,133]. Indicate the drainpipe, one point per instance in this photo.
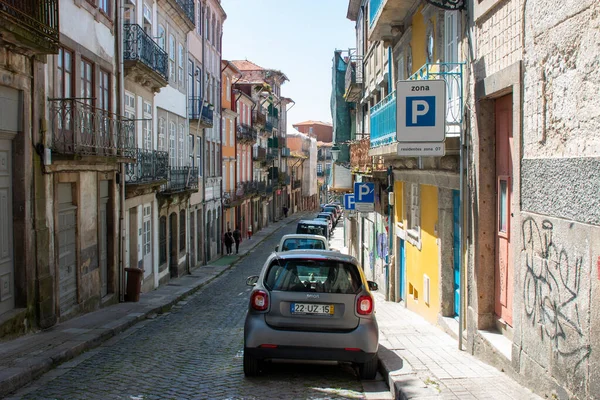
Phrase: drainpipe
[203,141]
[120,107]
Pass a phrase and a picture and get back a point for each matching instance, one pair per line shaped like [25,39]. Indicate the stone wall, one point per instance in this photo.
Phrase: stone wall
[559,261]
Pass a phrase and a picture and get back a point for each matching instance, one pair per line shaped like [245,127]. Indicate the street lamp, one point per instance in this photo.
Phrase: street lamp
[335,153]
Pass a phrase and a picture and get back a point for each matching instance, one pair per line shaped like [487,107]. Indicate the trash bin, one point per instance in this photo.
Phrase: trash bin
[134,284]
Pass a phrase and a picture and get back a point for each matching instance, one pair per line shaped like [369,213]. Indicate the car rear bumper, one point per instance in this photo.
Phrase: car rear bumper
[308,353]
[357,345]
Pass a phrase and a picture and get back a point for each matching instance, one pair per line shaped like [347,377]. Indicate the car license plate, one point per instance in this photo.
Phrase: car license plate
[315,309]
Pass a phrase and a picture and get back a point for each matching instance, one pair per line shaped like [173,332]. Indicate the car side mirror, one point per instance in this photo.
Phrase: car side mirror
[277,248]
[373,285]
[251,280]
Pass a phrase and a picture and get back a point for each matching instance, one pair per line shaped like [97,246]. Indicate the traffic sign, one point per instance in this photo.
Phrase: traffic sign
[364,196]
[349,201]
[421,111]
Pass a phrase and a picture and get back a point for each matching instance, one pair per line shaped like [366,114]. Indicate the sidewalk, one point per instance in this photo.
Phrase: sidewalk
[420,361]
[26,358]
[417,359]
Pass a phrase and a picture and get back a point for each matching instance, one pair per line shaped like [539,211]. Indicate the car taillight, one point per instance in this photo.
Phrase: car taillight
[259,300]
[364,305]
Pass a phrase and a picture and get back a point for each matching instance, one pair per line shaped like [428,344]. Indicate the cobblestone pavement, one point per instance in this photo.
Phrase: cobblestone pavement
[195,352]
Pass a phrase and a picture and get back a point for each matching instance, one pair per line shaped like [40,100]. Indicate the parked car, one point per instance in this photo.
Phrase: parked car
[298,241]
[314,227]
[311,305]
[338,206]
[329,217]
[332,209]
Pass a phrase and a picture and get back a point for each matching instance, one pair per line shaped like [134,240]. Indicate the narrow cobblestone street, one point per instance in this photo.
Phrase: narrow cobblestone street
[193,352]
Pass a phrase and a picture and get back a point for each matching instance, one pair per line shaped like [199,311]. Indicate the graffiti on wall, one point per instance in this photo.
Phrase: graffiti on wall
[552,291]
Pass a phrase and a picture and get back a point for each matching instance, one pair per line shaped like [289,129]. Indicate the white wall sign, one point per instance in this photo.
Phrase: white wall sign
[421,149]
[421,111]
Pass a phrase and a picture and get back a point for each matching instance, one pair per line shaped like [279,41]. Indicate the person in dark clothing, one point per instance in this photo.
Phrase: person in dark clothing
[285,211]
[228,239]
[237,237]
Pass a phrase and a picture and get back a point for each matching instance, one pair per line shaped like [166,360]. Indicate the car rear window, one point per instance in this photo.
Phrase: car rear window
[322,276]
[311,229]
[302,243]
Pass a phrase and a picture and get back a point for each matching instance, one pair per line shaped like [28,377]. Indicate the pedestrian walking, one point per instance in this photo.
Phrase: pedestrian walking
[249,232]
[237,237]
[228,240]
[285,211]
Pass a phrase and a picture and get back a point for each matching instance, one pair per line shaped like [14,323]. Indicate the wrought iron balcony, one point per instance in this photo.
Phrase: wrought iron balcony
[383,121]
[451,73]
[144,60]
[181,11]
[258,118]
[180,179]
[284,178]
[79,128]
[231,199]
[151,166]
[246,133]
[296,183]
[259,154]
[32,23]
[200,112]
[354,78]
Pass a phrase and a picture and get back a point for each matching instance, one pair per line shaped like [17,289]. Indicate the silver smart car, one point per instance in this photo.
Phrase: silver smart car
[311,305]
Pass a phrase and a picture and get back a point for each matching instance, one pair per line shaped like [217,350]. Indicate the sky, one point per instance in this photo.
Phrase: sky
[297,37]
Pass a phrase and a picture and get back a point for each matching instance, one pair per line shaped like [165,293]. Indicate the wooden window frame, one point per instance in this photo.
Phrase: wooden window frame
[60,72]
[104,93]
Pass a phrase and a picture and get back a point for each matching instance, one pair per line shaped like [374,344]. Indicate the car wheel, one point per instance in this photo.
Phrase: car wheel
[368,370]
[252,366]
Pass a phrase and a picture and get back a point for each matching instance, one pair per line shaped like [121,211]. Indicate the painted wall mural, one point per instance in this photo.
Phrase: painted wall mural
[553,294]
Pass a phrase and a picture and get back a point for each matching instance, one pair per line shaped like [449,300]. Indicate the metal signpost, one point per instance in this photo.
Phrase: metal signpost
[421,117]
[364,196]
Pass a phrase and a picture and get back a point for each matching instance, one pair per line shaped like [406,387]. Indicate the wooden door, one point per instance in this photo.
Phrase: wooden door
[67,248]
[503,265]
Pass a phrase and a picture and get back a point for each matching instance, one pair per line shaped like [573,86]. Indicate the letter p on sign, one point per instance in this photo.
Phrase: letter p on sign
[420,108]
[420,111]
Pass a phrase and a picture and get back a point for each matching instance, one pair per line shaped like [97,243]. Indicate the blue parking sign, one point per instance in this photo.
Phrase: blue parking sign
[364,192]
[420,111]
[349,202]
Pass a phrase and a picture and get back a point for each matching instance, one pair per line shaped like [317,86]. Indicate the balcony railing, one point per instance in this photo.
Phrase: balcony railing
[258,118]
[354,78]
[246,133]
[259,154]
[37,18]
[269,126]
[383,121]
[199,111]
[79,128]
[139,46]
[296,183]
[451,73]
[150,166]
[181,179]
[187,6]
[374,9]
